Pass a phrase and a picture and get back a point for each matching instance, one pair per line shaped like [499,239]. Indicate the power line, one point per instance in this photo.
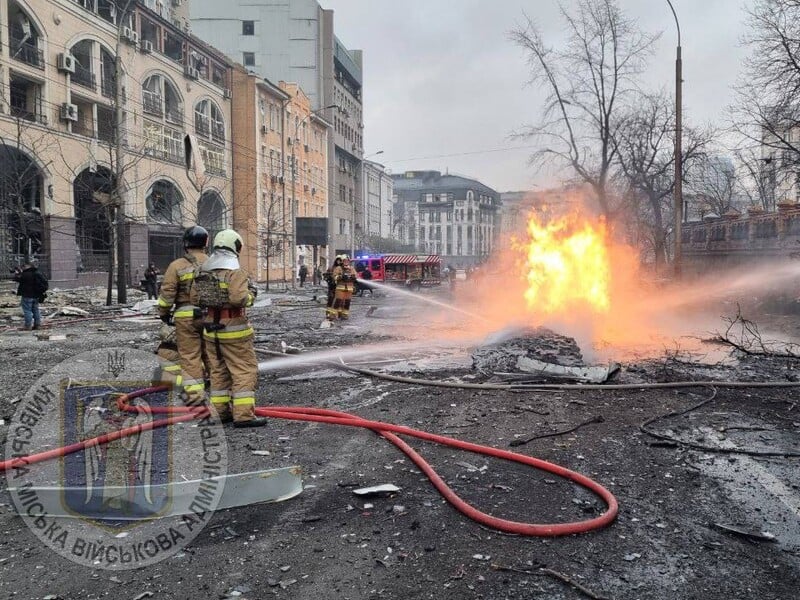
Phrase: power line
[474,152]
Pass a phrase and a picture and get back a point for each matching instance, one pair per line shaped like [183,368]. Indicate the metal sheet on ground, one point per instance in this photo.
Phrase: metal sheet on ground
[240,489]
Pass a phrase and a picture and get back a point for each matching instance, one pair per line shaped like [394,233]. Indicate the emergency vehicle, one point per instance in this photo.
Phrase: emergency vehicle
[411,270]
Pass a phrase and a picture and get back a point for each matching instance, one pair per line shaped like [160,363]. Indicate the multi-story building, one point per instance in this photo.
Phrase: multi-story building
[280,162]
[449,215]
[71,127]
[378,207]
[294,40]
[516,207]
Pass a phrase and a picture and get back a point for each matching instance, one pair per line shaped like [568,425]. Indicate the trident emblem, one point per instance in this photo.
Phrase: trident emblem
[116,363]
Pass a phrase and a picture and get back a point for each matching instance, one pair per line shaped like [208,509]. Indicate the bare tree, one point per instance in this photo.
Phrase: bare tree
[713,180]
[759,177]
[589,81]
[767,111]
[645,154]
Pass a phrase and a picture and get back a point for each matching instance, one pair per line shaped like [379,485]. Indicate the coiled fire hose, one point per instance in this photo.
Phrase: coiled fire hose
[386,430]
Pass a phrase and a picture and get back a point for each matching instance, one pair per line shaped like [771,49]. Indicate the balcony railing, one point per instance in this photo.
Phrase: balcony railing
[85,78]
[153,103]
[202,125]
[218,132]
[27,115]
[27,51]
[108,87]
[174,114]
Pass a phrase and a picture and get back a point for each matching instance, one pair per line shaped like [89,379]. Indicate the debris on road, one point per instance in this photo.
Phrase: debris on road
[762,536]
[385,489]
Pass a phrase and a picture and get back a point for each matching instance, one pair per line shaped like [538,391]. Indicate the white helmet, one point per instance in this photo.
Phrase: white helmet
[229,240]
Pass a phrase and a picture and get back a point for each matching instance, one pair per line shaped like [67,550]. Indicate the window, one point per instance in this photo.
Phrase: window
[248,28]
[164,203]
[249,59]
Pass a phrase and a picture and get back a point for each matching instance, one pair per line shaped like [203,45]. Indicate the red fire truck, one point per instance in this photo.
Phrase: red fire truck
[412,270]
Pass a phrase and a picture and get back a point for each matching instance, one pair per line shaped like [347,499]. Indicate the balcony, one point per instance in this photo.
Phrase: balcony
[153,103]
[218,132]
[202,125]
[27,115]
[108,87]
[174,115]
[27,51]
[84,78]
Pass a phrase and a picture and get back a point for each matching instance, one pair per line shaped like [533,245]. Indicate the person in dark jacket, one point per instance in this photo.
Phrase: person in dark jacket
[303,273]
[32,288]
[151,281]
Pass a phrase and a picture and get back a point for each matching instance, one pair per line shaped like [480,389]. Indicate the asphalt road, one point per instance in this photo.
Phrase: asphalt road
[329,543]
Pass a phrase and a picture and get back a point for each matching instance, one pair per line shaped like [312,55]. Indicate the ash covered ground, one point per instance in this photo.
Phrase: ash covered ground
[669,540]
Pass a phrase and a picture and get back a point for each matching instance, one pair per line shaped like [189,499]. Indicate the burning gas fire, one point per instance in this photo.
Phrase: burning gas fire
[567,265]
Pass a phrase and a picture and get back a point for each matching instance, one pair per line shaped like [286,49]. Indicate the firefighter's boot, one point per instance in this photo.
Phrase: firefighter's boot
[221,401]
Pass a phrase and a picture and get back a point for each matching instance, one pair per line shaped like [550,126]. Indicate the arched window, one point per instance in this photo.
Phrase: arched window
[23,37]
[20,207]
[211,212]
[470,196]
[163,108]
[92,194]
[162,99]
[209,122]
[164,202]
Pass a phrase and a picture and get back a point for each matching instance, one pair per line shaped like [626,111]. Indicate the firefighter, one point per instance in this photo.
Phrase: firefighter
[175,291]
[169,368]
[330,312]
[345,278]
[223,290]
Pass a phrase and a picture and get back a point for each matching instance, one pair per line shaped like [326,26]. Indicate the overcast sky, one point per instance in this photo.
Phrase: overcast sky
[441,80]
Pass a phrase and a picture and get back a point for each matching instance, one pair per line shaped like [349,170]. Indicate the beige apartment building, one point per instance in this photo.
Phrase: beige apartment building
[59,157]
[279,176]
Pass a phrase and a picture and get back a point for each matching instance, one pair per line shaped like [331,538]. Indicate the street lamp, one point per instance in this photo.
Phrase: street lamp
[364,193]
[294,183]
[678,151]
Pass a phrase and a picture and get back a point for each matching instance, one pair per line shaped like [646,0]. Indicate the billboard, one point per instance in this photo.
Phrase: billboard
[312,231]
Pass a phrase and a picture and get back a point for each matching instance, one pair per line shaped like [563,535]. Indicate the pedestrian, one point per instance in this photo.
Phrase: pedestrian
[223,290]
[317,275]
[330,313]
[345,278]
[303,273]
[175,306]
[31,289]
[151,281]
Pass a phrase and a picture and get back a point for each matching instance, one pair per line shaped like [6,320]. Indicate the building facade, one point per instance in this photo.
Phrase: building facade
[455,217]
[378,196]
[294,40]
[69,133]
[280,172]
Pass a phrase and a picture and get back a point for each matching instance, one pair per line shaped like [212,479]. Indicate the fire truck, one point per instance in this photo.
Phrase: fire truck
[411,270]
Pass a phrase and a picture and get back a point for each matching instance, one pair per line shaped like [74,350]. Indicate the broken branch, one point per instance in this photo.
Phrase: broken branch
[545,572]
[596,419]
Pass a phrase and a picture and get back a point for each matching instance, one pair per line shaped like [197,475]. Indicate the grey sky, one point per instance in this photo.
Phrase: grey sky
[441,80]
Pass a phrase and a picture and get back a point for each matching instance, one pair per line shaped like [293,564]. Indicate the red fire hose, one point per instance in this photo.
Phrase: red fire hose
[386,430]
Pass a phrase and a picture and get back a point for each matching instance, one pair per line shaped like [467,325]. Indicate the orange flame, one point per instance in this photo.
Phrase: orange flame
[567,265]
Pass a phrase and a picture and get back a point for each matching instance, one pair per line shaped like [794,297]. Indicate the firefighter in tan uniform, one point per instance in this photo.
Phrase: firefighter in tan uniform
[175,292]
[331,313]
[345,278]
[169,367]
[223,291]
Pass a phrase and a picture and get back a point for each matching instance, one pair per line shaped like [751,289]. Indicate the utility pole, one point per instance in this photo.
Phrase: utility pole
[678,193]
[119,155]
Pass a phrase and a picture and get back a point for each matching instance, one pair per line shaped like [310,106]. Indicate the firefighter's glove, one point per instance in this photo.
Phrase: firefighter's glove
[166,319]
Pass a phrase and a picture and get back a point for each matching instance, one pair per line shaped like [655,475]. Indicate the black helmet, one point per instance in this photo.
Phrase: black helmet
[195,237]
